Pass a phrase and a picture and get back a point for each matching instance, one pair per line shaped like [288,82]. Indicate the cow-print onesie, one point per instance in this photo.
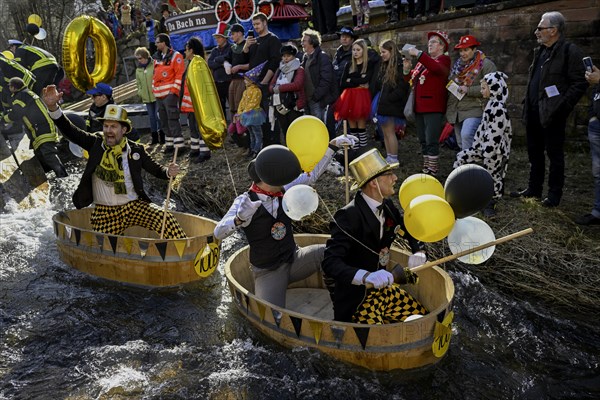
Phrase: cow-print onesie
[491,144]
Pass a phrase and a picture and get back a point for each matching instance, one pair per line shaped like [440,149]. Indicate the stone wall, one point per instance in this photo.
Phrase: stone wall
[506,33]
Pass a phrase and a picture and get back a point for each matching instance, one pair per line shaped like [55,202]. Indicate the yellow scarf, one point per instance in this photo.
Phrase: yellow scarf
[110,169]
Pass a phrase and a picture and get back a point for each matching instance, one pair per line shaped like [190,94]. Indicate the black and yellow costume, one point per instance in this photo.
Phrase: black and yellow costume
[12,69]
[114,219]
[41,63]
[27,107]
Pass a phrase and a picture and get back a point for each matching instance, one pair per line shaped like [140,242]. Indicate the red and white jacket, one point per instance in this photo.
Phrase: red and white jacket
[168,72]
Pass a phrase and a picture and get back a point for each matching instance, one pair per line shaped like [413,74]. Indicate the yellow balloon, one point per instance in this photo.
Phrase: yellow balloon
[35,19]
[74,52]
[205,99]
[429,218]
[308,138]
[416,185]
[8,54]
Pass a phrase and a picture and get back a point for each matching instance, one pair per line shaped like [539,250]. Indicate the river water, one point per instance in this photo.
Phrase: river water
[66,335]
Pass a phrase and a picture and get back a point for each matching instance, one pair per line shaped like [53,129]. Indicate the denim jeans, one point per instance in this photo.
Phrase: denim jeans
[153,115]
[594,137]
[315,109]
[256,137]
[465,132]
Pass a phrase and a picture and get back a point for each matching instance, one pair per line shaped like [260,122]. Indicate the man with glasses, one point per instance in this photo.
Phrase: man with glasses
[556,83]
[101,98]
[358,253]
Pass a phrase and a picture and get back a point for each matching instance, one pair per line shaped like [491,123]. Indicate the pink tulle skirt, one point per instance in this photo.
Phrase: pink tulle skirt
[353,104]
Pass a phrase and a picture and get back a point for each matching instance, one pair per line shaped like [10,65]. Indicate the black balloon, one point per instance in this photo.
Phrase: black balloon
[32,29]
[468,189]
[76,119]
[276,165]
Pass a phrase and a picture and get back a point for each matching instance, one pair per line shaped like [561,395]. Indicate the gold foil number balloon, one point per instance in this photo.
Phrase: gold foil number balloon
[74,50]
[206,102]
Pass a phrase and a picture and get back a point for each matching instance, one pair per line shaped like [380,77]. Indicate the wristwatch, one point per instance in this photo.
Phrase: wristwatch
[364,279]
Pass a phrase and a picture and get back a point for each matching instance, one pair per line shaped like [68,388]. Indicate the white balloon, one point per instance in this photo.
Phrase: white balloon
[300,201]
[41,35]
[76,150]
[471,232]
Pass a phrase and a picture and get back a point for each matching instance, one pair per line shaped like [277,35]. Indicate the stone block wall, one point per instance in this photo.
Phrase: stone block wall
[506,33]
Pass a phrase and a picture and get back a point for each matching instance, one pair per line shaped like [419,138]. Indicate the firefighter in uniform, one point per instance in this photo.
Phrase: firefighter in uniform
[168,73]
[40,62]
[28,107]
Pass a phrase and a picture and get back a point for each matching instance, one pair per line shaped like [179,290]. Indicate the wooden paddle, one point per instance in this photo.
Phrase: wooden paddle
[346,163]
[398,270]
[164,221]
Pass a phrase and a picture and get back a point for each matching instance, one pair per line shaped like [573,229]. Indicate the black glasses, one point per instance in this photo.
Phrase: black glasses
[541,28]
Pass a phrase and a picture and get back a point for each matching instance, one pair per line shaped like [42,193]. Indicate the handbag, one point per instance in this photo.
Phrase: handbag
[409,108]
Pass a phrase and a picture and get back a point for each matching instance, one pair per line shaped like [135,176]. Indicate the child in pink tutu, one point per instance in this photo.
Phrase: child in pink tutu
[354,103]
[250,113]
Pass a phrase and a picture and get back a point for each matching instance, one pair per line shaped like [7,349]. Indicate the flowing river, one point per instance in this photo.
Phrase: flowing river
[66,335]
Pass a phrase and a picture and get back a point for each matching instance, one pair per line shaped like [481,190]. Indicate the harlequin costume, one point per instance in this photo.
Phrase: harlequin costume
[112,180]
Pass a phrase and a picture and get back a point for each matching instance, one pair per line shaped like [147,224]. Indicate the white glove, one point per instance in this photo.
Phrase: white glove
[380,279]
[247,208]
[416,259]
[348,140]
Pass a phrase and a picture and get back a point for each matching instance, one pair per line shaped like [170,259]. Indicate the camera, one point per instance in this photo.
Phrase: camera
[587,62]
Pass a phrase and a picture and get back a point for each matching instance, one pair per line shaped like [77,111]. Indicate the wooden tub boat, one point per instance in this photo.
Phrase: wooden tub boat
[308,321]
[139,257]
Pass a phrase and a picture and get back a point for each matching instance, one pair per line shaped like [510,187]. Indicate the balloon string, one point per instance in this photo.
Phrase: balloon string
[229,168]
[343,230]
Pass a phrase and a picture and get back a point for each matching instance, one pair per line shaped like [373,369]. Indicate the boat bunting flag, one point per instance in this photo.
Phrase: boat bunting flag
[180,247]
[261,311]
[337,332]
[143,248]
[68,231]
[100,240]
[362,334]
[276,317]
[162,249]
[113,243]
[297,322]
[77,236]
[317,328]
[128,243]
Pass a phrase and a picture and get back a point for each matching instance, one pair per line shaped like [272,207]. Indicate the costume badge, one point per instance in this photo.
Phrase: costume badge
[135,156]
[398,231]
[278,230]
[164,74]
[384,257]
[422,79]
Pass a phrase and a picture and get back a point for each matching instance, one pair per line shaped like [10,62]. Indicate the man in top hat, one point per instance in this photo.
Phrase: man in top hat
[275,258]
[26,106]
[39,61]
[101,98]
[216,62]
[357,255]
[112,179]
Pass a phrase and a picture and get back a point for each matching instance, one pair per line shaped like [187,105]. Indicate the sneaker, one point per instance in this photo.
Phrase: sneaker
[548,203]
[490,210]
[203,156]
[587,219]
[194,153]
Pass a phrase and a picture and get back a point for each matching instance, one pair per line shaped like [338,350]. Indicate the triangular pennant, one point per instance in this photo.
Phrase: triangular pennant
[261,311]
[247,300]
[88,239]
[55,228]
[337,332]
[180,246]
[143,248]
[440,316]
[276,317]
[77,236]
[68,231]
[100,240]
[317,328]
[297,322]
[162,249]
[362,334]
[113,243]
[128,243]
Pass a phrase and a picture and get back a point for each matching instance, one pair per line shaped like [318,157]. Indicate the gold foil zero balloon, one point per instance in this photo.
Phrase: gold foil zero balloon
[34,19]
[74,51]
[205,99]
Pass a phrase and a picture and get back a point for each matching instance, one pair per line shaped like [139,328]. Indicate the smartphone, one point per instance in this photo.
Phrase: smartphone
[250,33]
[587,62]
